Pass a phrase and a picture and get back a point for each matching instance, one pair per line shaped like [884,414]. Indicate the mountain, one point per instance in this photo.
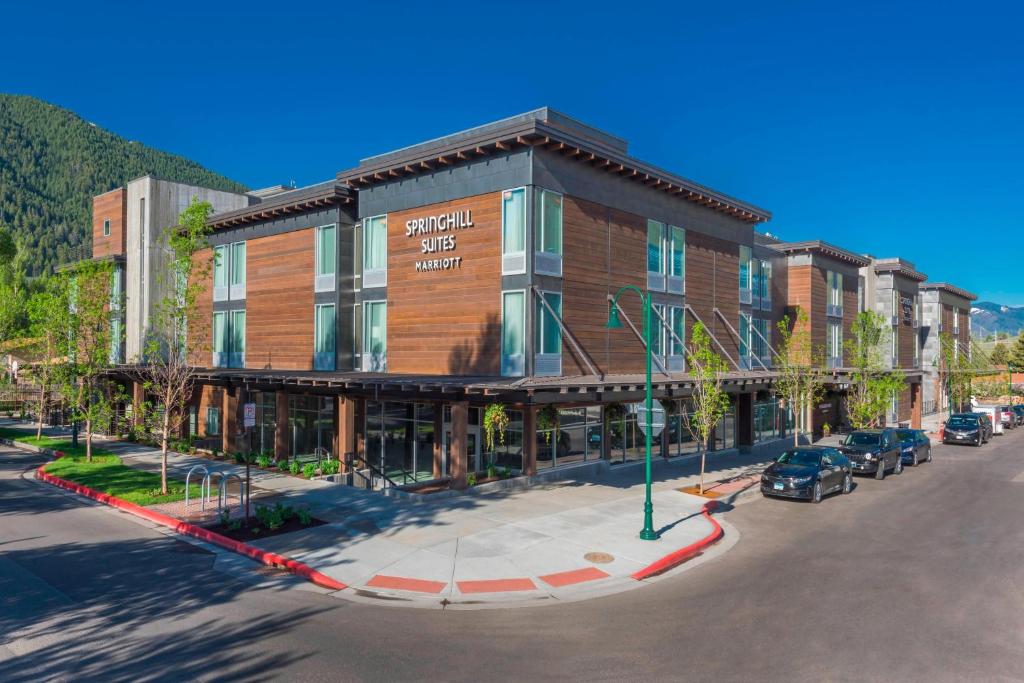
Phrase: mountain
[988,318]
[52,163]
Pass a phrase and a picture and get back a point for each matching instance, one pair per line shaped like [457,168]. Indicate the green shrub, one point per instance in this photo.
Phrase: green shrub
[305,519]
[239,458]
[235,524]
[263,460]
[225,517]
[329,466]
[294,467]
[309,470]
[492,471]
[471,479]
[282,465]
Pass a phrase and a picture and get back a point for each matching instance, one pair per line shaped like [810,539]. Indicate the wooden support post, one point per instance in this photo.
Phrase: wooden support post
[915,406]
[438,440]
[229,411]
[530,440]
[460,428]
[744,420]
[346,428]
[281,450]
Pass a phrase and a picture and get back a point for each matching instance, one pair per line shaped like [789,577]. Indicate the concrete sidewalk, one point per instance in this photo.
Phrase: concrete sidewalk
[564,540]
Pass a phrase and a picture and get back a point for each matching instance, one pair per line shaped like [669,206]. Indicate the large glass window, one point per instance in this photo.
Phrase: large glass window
[513,231]
[658,330]
[765,289]
[745,341]
[238,264]
[835,294]
[221,257]
[577,438]
[311,425]
[513,334]
[677,256]
[678,323]
[745,274]
[834,344]
[375,251]
[220,339]
[326,257]
[212,421]
[548,334]
[236,358]
[655,241]
[400,439]
[760,338]
[375,340]
[548,232]
[324,335]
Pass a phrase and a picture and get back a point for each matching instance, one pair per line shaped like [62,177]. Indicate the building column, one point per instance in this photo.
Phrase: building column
[460,426]
[229,411]
[345,427]
[281,425]
[744,420]
[915,406]
[138,398]
[530,440]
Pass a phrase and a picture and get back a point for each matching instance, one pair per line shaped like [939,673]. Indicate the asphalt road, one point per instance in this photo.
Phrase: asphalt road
[917,577]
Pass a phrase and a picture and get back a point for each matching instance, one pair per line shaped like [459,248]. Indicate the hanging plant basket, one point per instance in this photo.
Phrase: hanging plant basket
[547,421]
[495,423]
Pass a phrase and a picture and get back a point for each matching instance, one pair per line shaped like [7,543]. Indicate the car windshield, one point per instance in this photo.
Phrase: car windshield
[859,439]
[802,458]
[962,423]
[905,434]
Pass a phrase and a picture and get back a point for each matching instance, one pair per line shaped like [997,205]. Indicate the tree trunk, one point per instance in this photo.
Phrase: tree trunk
[163,452]
[88,440]
[703,452]
[42,409]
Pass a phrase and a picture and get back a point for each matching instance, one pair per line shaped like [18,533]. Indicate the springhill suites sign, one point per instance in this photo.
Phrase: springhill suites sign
[438,241]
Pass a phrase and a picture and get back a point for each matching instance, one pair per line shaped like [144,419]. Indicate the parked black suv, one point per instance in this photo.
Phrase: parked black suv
[873,451]
[965,428]
[1018,410]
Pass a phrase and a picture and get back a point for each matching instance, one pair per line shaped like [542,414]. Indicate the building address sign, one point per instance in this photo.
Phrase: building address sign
[438,239]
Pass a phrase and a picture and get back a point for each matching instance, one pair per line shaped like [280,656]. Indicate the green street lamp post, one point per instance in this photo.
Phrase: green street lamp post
[647,533]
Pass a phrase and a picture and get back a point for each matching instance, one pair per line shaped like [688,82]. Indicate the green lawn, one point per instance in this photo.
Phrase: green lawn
[105,473]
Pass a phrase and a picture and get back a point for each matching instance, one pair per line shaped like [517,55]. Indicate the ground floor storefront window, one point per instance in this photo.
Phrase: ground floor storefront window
[311,424]
[769,420]
[574,438]
[266,421]
[400,439]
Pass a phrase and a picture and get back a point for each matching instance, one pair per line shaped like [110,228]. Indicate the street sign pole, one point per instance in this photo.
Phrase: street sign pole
[248,422]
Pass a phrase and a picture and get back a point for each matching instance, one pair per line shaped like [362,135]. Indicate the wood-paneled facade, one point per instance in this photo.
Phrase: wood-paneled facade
[109,223]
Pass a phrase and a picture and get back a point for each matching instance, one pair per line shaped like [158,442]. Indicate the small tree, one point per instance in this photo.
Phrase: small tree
[710,402]
[872,383]
[1000,354]
[955,371]
[168,376]
[82,375]
[800,364]
[48,319]
[1016,354]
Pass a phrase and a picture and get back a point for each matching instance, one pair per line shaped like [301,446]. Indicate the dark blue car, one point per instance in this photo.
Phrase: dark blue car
[915,446]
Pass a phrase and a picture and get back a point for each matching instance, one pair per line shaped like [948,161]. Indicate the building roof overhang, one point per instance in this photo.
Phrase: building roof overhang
[952,289]
[302,200]
[823,248]
[543,129]
[899,267]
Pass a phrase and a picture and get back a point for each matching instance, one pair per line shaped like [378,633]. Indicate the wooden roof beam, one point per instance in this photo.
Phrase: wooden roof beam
[501,145]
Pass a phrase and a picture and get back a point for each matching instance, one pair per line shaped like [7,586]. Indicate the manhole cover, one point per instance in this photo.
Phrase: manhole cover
[598,558]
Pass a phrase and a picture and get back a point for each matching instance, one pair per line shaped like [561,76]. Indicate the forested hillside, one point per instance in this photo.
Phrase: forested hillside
[52,162]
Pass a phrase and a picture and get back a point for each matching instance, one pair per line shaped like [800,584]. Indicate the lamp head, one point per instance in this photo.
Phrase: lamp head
[613,319]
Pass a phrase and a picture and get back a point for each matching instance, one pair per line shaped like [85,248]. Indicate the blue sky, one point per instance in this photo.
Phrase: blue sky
[892,130]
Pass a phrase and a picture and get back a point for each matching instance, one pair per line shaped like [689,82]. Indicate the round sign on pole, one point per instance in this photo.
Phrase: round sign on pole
[657,416]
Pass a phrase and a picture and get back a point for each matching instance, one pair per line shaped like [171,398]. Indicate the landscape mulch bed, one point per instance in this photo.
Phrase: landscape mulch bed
[245,534]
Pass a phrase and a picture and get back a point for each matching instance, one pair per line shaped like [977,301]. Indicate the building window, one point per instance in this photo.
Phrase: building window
[212,421]
[655,256]
[229,339]
[106,227]
[220,273]
[513,231]
[375,251]
[237,283]
[548,233]
[548,334]
[658,330]
[677,349]
[375,336]
[835,295]
[677,261]
[764,292]
[745,283]
[576,439]
[834,344]
[895,306]
[324,334]
[326,257]
[744,341]
[513,334]
[760,336]
[400,440]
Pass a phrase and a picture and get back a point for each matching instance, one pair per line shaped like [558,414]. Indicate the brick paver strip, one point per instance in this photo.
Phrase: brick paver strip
[496,586]
[402,583]
[573,577]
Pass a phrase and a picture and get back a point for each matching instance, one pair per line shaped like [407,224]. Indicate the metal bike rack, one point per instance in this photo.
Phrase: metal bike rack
[204,485]
[222,491]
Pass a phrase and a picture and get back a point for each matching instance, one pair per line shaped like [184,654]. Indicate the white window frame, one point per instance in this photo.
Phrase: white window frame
[369,363]
[546,262]
[375,277]
[325,282]
[513,367]
[514,262]
[547,364]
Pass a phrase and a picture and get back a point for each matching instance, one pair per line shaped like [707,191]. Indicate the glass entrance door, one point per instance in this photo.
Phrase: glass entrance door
[473,459]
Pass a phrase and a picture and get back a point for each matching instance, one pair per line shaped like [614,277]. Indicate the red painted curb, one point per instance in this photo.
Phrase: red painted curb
[683,554]
[271,559]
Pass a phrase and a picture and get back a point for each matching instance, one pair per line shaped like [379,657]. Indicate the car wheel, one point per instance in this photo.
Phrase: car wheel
[899,467]
[816,494]
[913,463]
[880,471]
[929,457]
[847,483]
[978,443]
